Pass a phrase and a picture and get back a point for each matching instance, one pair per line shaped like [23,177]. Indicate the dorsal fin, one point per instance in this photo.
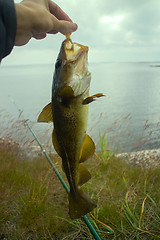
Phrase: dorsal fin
[88,149]
[46,115]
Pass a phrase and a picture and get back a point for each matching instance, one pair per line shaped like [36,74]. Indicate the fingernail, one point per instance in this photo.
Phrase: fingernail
[74,26]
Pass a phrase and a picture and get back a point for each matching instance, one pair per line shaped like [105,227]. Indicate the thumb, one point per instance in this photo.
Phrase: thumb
[65,27]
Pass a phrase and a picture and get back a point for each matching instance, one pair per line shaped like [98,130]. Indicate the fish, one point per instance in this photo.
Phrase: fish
[68,110]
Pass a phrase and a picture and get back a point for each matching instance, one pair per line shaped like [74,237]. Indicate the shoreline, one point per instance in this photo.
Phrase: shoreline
[144,158]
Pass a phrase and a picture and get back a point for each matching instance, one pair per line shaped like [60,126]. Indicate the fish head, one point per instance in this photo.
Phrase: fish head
[71,76]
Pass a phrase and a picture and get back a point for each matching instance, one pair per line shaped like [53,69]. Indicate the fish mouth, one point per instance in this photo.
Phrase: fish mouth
[73,51]
[74,68]
[76,56]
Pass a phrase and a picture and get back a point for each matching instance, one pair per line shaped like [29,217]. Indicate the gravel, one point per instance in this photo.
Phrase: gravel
[145,158]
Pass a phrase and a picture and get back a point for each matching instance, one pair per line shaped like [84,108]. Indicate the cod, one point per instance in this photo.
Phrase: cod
[69,112]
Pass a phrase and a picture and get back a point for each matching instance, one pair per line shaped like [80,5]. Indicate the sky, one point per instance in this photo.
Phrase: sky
[114,31]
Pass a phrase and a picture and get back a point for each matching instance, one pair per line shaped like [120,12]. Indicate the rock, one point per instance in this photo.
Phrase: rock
[9,144]
[144,158]
[31,152]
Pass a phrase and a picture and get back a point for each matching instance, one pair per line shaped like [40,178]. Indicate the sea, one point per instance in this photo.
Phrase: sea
[126,119]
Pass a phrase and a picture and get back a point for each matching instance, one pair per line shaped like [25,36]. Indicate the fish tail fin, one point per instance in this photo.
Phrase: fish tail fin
[80,204]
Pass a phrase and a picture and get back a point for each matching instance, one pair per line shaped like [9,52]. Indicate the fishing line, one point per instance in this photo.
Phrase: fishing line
[85,217]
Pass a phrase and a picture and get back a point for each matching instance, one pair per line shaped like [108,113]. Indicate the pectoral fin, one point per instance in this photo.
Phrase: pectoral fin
[66,92]
[84,175]
[46,115]
[88,149]
[65,96]
[92,98]
[55,143]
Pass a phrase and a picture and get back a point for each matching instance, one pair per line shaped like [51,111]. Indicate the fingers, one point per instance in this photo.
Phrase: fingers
[36,18]
[54,20]
[58,12]
[67,27]
[65,24]
[39,36]
[64,27]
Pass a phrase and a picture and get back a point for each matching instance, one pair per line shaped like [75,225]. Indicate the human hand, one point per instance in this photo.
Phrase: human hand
[37,18]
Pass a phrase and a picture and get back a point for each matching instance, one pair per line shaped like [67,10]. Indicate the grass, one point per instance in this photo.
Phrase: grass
[29,202]
[129,202]
[33,204]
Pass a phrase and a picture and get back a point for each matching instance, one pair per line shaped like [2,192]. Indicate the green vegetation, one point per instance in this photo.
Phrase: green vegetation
[33,204]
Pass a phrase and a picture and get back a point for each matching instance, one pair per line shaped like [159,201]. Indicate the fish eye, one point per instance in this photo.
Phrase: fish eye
[58,63]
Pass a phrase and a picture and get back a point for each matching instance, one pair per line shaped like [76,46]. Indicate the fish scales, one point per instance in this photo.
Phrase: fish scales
[69,112]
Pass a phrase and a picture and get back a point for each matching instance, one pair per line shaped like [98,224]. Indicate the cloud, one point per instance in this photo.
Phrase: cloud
[117,29]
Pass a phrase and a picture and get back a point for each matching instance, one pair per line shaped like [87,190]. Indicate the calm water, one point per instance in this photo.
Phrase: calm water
[129,115]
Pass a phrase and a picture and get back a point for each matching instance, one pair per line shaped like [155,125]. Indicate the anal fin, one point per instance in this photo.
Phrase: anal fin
[84,175]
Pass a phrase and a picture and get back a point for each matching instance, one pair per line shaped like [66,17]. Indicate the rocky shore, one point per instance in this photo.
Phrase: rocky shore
[144,158]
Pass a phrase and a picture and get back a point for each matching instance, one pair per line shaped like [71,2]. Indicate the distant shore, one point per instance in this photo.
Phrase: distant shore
[154,65]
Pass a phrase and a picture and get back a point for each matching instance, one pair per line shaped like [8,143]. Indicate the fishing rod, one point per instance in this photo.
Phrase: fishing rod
[85,217]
